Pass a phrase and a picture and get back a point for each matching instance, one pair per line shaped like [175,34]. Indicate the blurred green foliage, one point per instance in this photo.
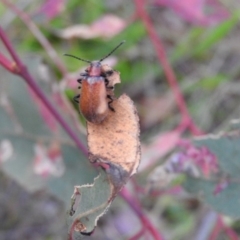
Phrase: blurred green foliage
[190,53]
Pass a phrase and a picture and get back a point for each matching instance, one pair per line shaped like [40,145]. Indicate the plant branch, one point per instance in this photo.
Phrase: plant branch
[215,231]
[39,36]
[133,203]
[138,235]
[230,232]
[10,49]
[9,65]
[221,226]
[171,78]
[38,91]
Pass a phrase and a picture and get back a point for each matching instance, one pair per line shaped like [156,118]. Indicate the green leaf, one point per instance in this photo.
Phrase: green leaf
[208,83]
[93,203]
[182,49]
[22,125]
[213,35]
[138,72]
[221,191]
[226,149]
[226,201]
[132,34]
[203,39]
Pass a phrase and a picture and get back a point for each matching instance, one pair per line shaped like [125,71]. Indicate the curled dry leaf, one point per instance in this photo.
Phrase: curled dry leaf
[88,203]
[114,144]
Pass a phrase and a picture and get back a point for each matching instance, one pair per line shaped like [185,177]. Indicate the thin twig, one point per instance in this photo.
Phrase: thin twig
[9,65]
[221,226]
[10,49]
[135,206]
[171,78]
[39,36]
[229,231]
[138,235]
[23,71]
[215,231]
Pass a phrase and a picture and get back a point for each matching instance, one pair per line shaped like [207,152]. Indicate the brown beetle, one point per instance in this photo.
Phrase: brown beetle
[96,94]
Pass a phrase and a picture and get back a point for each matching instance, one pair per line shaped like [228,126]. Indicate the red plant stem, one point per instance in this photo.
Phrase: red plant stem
[72,230]
[137,209]
[138,235]
[216,230]
[53,110]
[38,91]
[37,33]
[186,118]
[230,232]
[220,226]
[10,49]
[9,65]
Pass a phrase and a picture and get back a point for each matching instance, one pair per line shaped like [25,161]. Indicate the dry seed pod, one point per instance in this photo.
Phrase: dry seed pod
[114,143]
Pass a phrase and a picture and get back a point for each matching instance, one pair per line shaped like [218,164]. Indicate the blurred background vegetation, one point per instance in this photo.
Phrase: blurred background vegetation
[201,42]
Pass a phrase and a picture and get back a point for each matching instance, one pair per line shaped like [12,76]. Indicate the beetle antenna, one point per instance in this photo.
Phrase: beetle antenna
[121,43]
[69,55]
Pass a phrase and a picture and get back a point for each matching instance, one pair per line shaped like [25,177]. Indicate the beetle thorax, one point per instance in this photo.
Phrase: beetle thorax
[95,69]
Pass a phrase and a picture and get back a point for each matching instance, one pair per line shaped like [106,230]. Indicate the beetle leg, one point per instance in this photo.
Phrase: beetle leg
[111,100]
[79,81]
[84,74]
[109,73]
[76,98]
[110,87]
[106,84]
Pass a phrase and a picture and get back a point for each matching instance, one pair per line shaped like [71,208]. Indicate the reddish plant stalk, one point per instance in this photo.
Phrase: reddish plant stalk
[138,235]
[230,232]
[171,78]
[23,72]
[215,232]
[220,227]
[9,65]
[133,203]
[12,52]
[39,36]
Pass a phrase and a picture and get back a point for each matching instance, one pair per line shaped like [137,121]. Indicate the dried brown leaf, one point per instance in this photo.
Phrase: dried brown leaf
[115,142]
